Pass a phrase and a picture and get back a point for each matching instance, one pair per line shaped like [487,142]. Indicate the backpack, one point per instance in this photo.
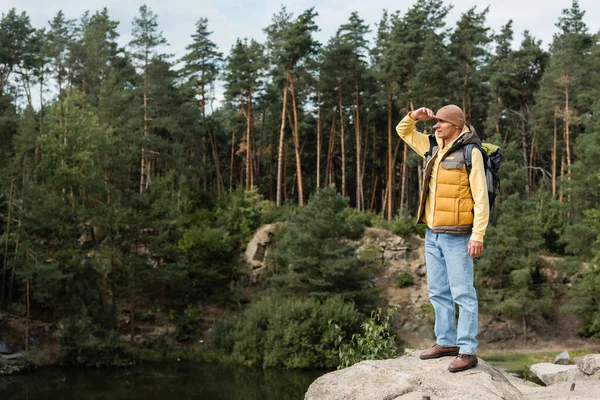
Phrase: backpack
[492,160]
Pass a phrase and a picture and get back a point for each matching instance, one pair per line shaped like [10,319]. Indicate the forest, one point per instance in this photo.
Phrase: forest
[126,187]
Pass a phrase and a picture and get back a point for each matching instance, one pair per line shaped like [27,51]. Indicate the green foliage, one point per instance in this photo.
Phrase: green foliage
[404,279]
[313,256]
[240,213]
[83,344]
[188,325]
[287,333]
[509,267]
[584,302]
[376,342]
[402,224]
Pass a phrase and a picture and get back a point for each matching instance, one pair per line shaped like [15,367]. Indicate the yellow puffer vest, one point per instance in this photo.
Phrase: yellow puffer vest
[453,209]
[453,199]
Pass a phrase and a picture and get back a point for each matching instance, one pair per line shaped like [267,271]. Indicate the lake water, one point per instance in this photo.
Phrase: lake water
[172,380]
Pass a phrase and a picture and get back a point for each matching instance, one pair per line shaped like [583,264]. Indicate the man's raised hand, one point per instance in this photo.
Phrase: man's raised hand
[422,114]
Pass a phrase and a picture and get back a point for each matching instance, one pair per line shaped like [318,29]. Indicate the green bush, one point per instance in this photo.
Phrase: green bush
[287,333]
[584,301]
[375,343]
[81,346]
[188,325]
[405,279]
[402,224]
[314,258]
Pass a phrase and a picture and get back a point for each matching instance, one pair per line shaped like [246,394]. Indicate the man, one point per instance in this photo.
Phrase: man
[454,205]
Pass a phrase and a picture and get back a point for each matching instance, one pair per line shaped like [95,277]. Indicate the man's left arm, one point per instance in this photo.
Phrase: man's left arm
[481,208]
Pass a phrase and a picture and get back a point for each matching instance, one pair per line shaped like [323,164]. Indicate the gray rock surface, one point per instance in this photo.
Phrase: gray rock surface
[408,377]
[5,348]
[553,373]
[14,356]
[258,247]
[563,358]
[590,364]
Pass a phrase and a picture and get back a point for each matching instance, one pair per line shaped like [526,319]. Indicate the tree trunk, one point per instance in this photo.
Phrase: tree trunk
[374,177]
[231,164]
[27,315]
[132,316]
[14,267]
[403,181]
[259,147]
[359,200]
[329,165]
[281,139]
[532,164]
[567,144]
[524,148]
[7,234]
[554,159]
[342,140]
[562,177]
[213,143]
[390,175]
[319,139]
[249,182]
[144,170]
[204,176]
[297,144]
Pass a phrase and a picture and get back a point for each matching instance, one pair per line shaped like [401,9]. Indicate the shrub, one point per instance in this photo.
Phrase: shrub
[405,279]
[287,333]
[375,343]
[315,258]
[187,325]
[81,346]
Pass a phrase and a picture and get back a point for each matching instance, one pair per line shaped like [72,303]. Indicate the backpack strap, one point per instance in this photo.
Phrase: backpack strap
[468,153]
[432,145]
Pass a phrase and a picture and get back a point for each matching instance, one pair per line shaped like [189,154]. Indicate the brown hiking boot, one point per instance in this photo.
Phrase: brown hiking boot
[462,362]
[438,351]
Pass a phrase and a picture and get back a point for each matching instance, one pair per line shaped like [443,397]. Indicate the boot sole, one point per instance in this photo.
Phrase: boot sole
[453,354]
[463,368]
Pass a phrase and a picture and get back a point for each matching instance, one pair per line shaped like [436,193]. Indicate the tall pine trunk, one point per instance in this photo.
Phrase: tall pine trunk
[567,142]
[297,144]
[281,138]
[232,163]
[319,133]
[213,143]
[342,141]
[329,166]
[249,142]
[524,147]
[359,199]
[390,175]
[554,158]
[7,234]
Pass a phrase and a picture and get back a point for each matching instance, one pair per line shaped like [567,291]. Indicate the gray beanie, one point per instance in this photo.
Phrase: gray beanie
[452,114]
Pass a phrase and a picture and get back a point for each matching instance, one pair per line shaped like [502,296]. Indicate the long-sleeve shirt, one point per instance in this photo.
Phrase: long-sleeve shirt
[419,142]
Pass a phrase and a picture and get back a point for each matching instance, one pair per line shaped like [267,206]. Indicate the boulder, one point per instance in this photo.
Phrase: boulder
[589,364]
[256,249]
[552,373]
[408,377]
[14,356]
[563,358]
[5,348]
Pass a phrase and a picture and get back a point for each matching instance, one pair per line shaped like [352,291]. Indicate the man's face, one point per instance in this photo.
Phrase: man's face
[447,131]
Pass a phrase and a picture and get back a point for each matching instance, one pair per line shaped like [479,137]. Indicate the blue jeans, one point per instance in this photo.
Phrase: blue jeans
[449,281]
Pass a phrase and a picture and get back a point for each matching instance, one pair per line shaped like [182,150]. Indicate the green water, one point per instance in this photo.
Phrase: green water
[173,380]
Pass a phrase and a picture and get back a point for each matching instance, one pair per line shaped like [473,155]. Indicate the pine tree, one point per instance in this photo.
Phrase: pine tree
[244,69]
[202,65]
[145,40]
